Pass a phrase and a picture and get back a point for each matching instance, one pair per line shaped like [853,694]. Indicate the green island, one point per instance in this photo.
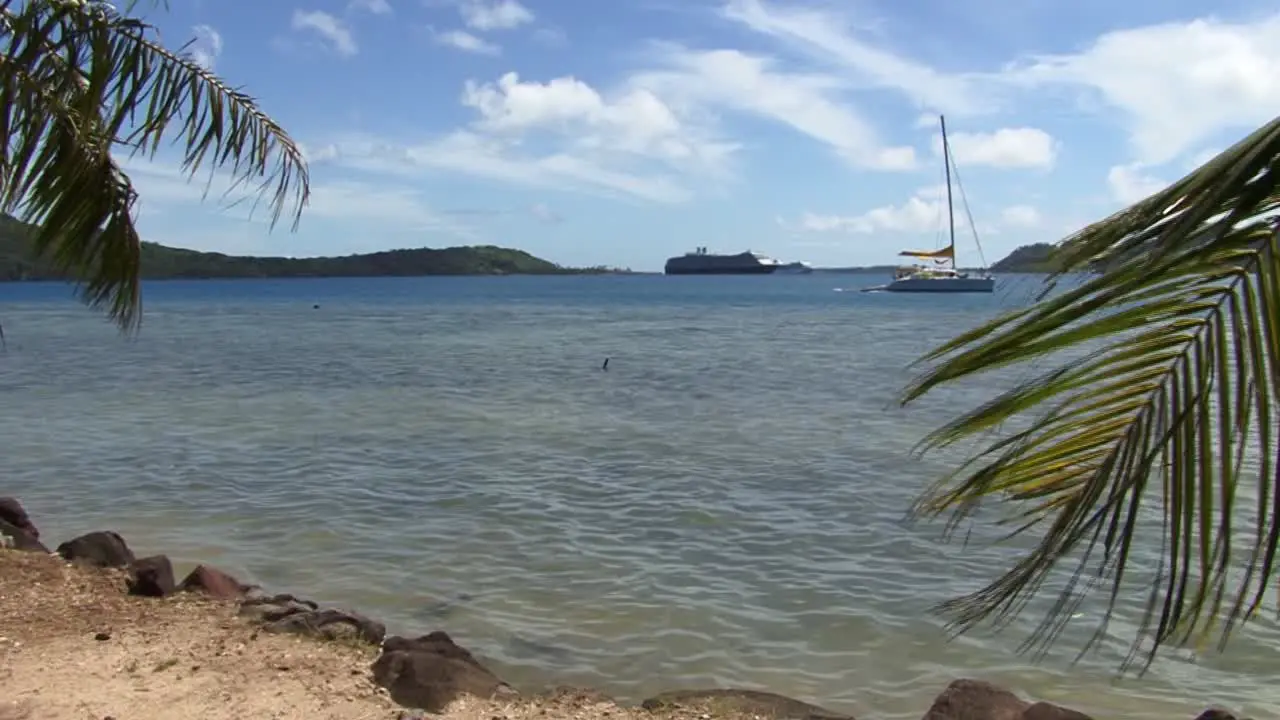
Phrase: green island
[1034,258]
[19,262]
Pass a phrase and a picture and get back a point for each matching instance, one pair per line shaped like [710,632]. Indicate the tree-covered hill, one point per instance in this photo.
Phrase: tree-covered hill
[1035,258]
[17,262]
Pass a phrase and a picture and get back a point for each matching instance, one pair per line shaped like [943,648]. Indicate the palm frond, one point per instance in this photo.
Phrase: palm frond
[79,80]
[1176,390]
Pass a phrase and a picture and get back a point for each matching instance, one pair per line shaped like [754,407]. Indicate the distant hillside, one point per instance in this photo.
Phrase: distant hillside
[160,262]
[1036,258]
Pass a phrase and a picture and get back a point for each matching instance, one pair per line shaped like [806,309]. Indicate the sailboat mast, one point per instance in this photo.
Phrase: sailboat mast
[951,212]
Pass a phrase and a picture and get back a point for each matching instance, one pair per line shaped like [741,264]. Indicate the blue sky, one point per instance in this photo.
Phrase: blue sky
[622,132]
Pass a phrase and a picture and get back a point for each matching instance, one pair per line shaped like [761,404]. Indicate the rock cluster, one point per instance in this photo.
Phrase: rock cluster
[430,672]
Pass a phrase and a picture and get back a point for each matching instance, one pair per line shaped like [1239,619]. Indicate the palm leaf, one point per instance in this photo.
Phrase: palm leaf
[79,81]
[1172,384]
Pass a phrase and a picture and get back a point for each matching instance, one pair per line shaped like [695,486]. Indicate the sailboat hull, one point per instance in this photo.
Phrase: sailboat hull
[941,285]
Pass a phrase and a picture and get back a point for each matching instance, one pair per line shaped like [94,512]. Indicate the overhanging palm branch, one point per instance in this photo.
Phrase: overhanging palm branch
[77,81]
[1174,405]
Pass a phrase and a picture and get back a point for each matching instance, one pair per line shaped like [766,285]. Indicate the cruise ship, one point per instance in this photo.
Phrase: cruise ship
[700,262]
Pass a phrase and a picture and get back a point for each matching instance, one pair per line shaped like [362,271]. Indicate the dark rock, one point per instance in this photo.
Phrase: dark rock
[261,598]
[437,642]
[725,702]
[261,607]
[151,577]
[102,636]
[977,700]
[1216,714]
[213,582]
[329,625]
[104,549]
[577,697]
[12,512]
[431,671]
[19,539]
[1049,711]
[271,613]
[255,594]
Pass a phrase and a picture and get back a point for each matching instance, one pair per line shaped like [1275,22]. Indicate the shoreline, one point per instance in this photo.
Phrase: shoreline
[92,628]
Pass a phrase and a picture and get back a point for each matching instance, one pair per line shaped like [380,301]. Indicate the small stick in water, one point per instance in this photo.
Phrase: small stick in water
[605,366]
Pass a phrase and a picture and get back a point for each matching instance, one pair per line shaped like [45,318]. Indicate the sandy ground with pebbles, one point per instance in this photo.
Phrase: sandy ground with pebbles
[74,646]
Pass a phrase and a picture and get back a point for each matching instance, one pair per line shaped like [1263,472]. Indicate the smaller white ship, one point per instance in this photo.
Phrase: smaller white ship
[798,267]
[943,275]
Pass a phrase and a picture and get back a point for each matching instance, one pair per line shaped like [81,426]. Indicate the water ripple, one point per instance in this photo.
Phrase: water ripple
[723,506]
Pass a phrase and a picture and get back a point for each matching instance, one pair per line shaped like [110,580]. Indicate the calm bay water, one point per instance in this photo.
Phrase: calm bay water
[723,506]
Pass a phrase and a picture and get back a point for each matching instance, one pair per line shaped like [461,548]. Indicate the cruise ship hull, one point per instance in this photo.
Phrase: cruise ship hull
[758,270]
[701,262]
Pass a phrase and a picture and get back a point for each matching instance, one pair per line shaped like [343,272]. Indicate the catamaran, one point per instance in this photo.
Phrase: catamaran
[942,275]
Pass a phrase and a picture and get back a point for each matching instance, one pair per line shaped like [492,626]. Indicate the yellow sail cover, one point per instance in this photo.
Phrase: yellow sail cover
[946,252]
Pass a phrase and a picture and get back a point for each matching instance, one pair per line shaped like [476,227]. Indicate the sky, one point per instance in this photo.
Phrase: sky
[620,133]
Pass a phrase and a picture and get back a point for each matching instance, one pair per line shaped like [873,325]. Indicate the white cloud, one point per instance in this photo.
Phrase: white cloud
[328,27]
[1005,148]
[377,7]
[830,37]
[471,153]
[1020,216]
[164,189]
[745,83]
[927,120]
[1176,84]
[487,15]
[1202,158]
[513,105]
[922,212]
[206,46]
[1131,183]
[162,186]
[545,214]
[635,121]
[550,37]
[161,183]
[398,207]
[654,138]
[465,41]
[658,134]
[318,154]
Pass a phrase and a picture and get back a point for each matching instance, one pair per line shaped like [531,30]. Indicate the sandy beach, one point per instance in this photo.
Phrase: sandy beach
[92,632]
[75,645]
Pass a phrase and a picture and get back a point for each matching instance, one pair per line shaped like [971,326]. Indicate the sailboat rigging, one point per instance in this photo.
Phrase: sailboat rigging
[944,275]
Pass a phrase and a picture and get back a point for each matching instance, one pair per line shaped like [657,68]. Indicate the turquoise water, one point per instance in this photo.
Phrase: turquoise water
[724,505]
